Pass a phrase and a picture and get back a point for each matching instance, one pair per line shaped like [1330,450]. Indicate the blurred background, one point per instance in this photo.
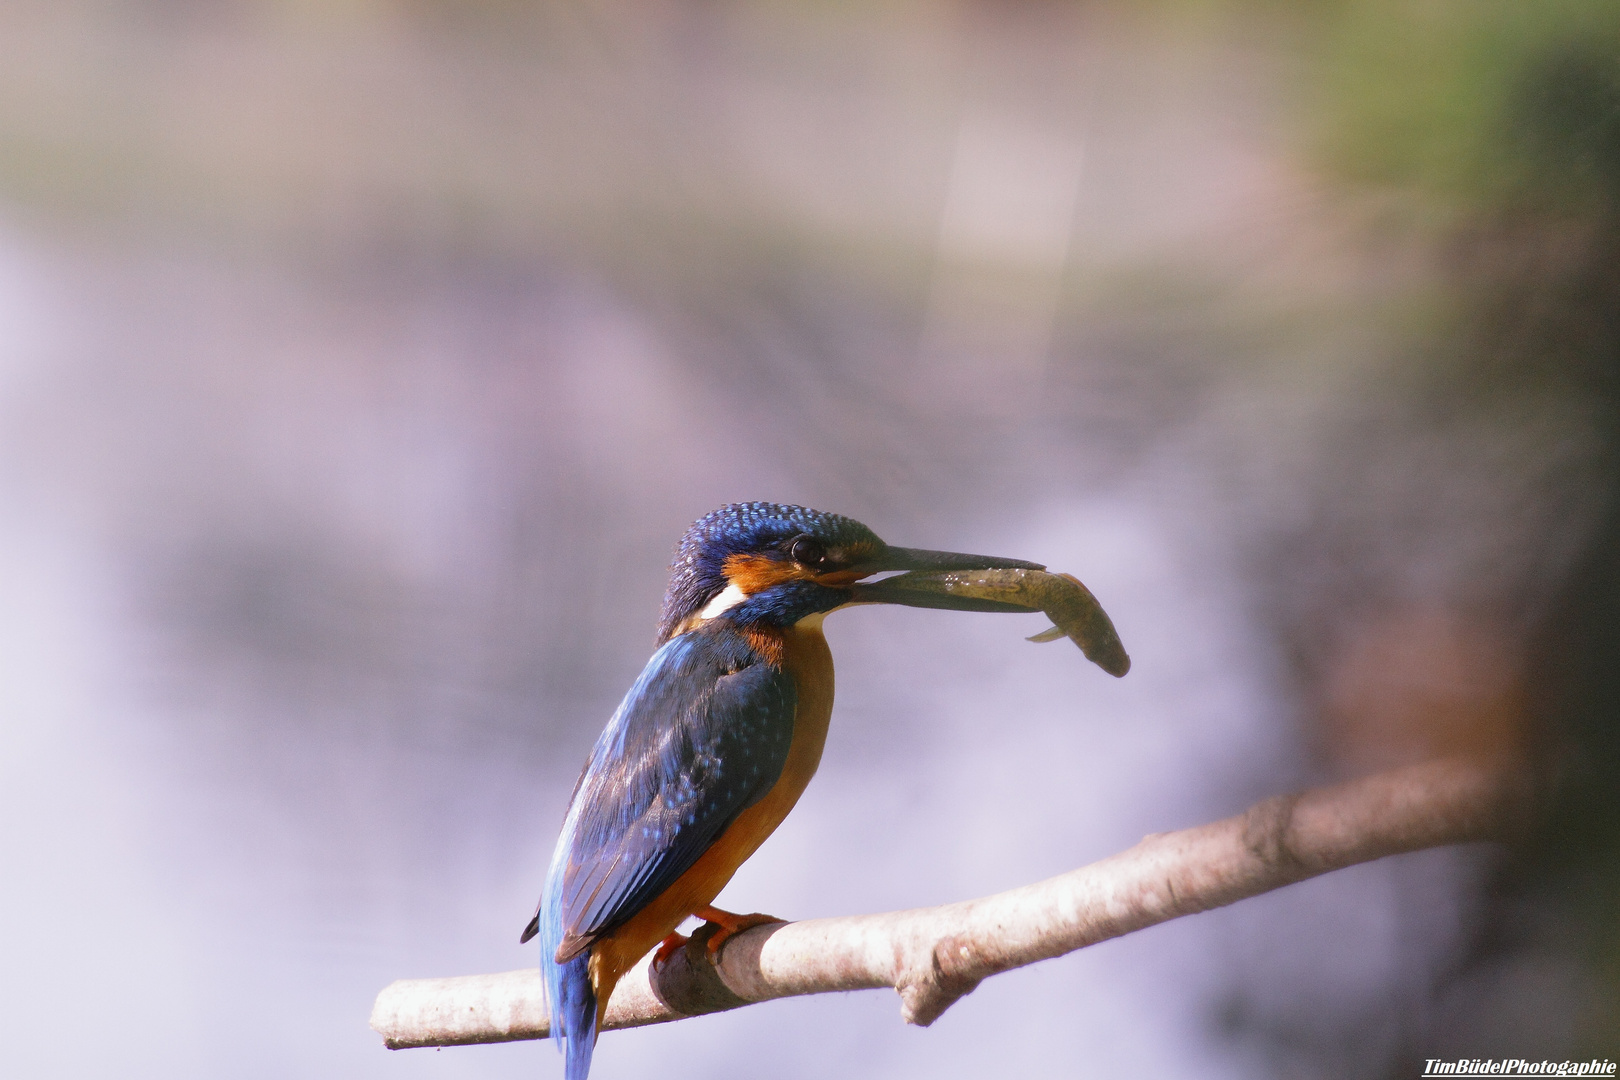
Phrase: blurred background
[361,363]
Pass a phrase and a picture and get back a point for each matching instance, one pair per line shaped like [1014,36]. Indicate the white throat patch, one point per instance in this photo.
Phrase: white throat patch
[728,598]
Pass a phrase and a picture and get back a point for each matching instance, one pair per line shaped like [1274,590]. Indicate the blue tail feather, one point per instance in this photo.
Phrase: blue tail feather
[573,1012]
[570,997]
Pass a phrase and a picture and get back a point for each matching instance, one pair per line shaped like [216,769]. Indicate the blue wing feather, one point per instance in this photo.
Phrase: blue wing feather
[701,736]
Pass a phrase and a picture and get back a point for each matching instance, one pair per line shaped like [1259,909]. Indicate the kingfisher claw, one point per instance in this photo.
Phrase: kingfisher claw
[727,924]
[672,944]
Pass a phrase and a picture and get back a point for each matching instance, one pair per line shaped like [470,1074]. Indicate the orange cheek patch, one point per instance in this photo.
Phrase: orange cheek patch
[756,573]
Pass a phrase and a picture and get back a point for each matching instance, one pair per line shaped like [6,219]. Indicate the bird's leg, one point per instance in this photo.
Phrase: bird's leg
[728,924]
[672,944]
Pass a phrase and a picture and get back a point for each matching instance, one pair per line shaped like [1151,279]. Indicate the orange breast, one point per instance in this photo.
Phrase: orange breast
[808,660]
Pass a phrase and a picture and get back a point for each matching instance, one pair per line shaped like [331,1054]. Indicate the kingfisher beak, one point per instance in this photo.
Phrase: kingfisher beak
[897,558]
[893,590]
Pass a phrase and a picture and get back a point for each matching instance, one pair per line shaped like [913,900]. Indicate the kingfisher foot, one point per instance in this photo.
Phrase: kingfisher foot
[728,924]
[667,948]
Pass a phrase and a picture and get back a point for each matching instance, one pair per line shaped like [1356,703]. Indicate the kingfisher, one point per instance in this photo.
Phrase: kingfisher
[712,745]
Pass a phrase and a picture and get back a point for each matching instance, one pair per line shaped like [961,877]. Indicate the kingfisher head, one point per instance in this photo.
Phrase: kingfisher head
[773,564]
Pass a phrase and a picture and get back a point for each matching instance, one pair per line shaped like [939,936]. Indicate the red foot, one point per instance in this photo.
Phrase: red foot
[728,924]
[667,948]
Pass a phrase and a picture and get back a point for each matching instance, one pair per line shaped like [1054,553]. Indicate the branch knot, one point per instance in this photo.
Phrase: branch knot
[955,970]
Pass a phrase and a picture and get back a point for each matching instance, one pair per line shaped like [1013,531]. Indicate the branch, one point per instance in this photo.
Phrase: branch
[934,956]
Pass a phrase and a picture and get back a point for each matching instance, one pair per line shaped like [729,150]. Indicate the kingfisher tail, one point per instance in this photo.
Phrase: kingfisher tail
[570,997]
[572,1002]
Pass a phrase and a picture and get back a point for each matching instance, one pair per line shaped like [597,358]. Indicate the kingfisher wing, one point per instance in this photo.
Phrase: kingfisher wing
[701,736]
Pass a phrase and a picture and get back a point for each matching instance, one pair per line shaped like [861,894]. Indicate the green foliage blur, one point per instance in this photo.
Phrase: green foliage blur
[1471,105]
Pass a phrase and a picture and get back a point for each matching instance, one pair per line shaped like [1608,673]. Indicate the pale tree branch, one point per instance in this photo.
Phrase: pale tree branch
[934,956]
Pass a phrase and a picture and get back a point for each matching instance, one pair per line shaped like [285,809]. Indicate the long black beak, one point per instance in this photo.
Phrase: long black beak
[919,559]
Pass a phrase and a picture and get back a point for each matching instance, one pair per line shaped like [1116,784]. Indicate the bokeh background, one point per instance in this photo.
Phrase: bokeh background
[362,360]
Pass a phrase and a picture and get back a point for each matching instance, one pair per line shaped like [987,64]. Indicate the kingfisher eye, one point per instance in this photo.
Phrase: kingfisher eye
[807,552]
